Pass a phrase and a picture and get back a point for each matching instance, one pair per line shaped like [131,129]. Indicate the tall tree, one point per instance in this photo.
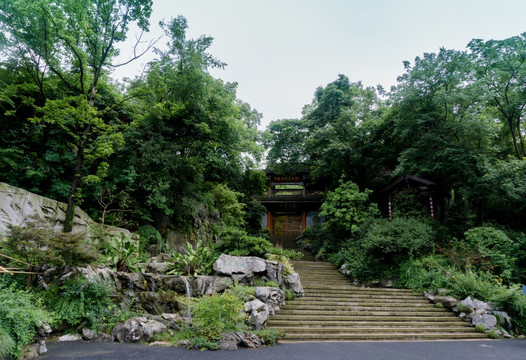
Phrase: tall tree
[501,66]
[74,42]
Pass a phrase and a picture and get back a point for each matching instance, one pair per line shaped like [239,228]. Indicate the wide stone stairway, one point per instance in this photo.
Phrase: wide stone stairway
[335,310]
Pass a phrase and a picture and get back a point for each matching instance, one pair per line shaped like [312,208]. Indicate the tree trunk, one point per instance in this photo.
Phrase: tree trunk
[70,210]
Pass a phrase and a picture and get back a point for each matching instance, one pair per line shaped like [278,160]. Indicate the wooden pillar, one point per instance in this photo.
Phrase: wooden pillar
[304,221]
[390,206]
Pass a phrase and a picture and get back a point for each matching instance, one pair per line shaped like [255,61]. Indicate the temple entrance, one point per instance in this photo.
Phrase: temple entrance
[287,225]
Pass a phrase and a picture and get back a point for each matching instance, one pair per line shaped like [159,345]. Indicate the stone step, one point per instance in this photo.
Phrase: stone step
[383,336]
[349,294]
[379,312]
[350,287]
[372,329]
[453,323]
[337,301]
[361,307]
[361,317]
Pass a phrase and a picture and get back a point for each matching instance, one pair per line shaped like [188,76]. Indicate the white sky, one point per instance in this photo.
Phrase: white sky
[280,51]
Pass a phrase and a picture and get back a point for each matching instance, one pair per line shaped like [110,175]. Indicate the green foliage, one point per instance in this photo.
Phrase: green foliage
[513,301]
[492,246]
[480,328]
[394,241]
[82,301]
[21,313]
[346,209]
[289,269]
[122,253]
[234,241]
[215,314]
[478,285]
[492,334]
[37,244]
[464,309]
[270,336]
[148,235]
[193,262]
[230,209]
[289,295]
[425,273]
[7,344]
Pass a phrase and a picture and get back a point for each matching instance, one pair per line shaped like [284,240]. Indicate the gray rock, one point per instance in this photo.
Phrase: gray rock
[476,304]
[44,329]
[273,297]
[249,340]
[70,337]
[157,267]
[239,267]
[88,334]
[34,350]
[504,315]
[489,321]
[274,271]
[258,313]
[448,301]
[228,342]
[19,207]
[293,283]
[137,329]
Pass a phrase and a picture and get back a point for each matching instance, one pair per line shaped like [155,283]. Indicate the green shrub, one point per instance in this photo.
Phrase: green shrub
[215,314]
[82,301]
[397,240]
[7,344]
[193,262]
[38,244]
[426,273]
[21,313]
[480,328]
[491,246]
[513,301]
[360,264]
[289,295]
[463,308]
[492,334]
[479,285]
[234,241]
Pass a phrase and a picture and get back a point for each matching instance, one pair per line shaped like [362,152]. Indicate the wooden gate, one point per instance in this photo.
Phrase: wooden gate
[288,225]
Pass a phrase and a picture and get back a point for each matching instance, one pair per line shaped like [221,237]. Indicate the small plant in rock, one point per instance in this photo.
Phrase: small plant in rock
[464,308]
[192,262]
[289,269]
[122,253]
[480,328]
[492,334]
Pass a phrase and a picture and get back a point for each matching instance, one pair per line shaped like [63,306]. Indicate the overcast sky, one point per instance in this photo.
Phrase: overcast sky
[280,51]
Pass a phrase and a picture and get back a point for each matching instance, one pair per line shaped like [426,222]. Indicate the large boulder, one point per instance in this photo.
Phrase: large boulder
[477,306]
[273,297]
[241,268]
[18,207]
[293,283]
[489,321]
[258,313]
[137,329]
[274,271]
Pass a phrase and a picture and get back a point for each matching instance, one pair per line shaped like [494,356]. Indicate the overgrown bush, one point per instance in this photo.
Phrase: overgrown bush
[234,241]
[38,244]
[492,245]
[82,301]
[289,268]
[216,314]
[383,246]
[21,313]
[513,301]
[392,242]
[425,273]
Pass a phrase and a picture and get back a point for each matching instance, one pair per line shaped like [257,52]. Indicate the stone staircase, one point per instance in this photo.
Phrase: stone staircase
[335,310]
